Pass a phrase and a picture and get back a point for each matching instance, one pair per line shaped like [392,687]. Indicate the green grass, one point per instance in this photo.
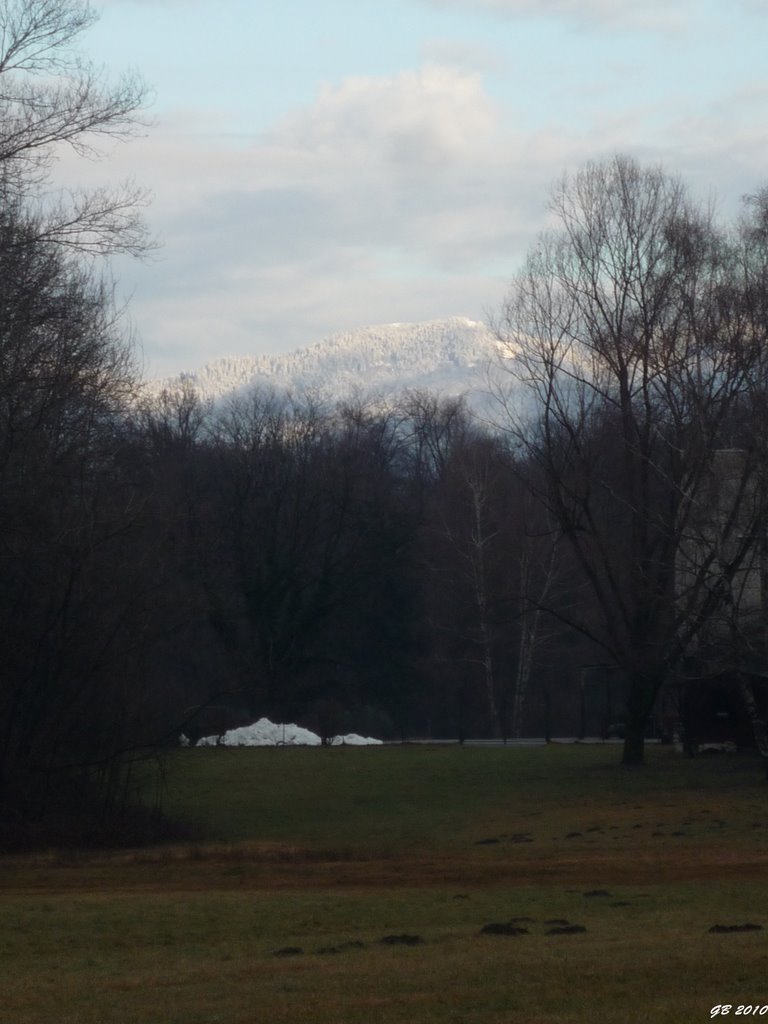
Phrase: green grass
[403,798]
[315,848]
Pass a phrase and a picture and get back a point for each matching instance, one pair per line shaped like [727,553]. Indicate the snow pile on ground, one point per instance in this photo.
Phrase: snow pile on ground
[267,734]
[353,740]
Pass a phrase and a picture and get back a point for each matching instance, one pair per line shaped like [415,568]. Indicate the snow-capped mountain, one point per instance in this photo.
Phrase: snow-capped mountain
[451,357]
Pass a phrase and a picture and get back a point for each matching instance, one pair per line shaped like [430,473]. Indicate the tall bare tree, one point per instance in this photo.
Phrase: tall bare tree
[68,602]
[629,327]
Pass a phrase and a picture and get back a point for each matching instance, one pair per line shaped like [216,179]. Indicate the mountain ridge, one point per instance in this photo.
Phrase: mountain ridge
[450,356]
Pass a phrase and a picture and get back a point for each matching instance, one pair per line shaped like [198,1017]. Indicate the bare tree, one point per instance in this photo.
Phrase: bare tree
[538,576]
[73,626]
[65,509]
[628,324]
[471,563]
[484,568]
[50,98]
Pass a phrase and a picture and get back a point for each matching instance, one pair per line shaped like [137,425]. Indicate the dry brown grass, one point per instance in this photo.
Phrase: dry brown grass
[248,867]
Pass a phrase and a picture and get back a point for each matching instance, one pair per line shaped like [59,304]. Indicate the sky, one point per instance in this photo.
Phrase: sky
[320,165]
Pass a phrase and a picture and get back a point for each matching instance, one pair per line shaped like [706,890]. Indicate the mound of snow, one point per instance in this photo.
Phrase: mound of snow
[353,740]
[267,734]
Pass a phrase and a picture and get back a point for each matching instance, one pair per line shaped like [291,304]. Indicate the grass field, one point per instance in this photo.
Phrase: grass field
[308,858]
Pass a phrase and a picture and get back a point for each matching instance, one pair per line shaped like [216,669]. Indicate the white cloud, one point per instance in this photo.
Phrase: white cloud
[388,199]
[381,201]
[416,118]
[392,198]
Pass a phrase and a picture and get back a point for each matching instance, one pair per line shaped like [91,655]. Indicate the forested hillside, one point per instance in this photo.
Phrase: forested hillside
[450,357]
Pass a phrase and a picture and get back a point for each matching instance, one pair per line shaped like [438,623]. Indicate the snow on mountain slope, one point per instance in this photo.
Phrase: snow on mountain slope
[448,356]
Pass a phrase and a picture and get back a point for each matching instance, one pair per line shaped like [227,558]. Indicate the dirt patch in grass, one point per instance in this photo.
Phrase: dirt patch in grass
[234,868]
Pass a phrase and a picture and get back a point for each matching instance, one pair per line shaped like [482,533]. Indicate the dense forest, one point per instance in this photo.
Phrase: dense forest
[399,569]
[172,569]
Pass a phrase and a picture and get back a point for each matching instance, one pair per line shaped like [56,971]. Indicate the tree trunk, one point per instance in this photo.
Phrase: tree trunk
[756,719]
[643,688]
[479,538]
[634,744]
[529,623]
[530,618]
